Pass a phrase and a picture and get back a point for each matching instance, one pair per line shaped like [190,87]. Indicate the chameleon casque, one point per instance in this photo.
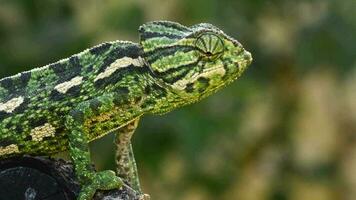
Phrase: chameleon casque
[67,104]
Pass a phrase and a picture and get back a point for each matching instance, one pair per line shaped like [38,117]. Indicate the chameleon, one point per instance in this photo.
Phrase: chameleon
[107,89]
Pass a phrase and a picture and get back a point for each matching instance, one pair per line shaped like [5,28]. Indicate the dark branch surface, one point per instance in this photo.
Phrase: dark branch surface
[38,178]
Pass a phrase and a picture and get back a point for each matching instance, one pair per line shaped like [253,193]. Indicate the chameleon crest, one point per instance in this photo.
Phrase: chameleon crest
[105,89]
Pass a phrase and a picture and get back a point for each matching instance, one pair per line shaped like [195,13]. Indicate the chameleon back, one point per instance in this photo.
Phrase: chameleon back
[34,104]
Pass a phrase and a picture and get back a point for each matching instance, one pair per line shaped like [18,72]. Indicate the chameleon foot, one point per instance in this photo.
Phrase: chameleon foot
[105,180]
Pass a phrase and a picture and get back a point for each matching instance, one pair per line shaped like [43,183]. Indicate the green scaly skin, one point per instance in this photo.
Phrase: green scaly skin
[67,104]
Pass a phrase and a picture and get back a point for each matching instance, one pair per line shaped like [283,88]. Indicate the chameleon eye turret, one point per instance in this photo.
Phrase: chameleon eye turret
[210,45]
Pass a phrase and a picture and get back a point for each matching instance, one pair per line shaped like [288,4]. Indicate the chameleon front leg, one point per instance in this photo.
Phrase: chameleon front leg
[125,160]
[79,149]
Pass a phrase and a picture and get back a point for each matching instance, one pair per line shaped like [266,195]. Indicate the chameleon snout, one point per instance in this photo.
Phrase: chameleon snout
[247,57]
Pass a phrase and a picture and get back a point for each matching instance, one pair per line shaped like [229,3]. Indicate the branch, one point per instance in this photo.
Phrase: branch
[47,178]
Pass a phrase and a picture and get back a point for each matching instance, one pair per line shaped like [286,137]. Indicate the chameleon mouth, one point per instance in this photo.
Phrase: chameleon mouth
[245,61]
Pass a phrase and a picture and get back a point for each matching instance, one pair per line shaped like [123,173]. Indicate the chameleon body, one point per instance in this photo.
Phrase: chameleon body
[67,104]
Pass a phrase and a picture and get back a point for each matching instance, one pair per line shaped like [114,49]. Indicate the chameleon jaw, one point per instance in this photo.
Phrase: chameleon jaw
[207,73]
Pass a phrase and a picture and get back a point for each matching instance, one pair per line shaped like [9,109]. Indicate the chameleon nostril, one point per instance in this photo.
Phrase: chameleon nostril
[247,56]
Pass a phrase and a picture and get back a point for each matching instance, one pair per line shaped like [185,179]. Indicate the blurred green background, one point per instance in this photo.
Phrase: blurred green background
[285,130]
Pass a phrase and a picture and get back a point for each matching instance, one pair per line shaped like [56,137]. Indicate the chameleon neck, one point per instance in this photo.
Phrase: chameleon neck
[159,97]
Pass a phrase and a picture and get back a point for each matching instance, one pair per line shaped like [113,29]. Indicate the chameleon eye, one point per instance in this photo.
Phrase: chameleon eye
[210,44]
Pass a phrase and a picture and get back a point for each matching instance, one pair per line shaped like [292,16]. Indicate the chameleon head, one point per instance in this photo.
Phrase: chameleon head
[193,61]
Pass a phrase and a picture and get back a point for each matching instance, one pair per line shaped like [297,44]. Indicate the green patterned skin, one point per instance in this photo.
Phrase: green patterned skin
[67,104]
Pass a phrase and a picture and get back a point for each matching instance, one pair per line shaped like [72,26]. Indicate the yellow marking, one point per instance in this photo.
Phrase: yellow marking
[119,63]
[182,84]
[38,133]
[150,45]
[12,148]
[11,105]
[64,87]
